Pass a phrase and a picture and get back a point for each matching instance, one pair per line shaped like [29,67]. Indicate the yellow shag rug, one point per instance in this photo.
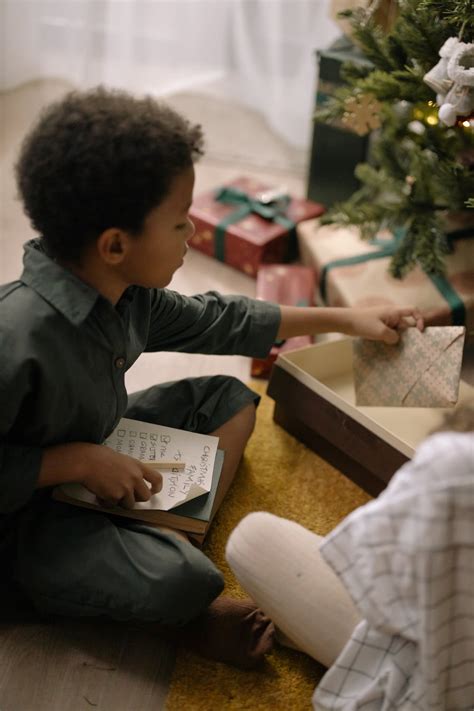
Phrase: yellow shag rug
[280,475]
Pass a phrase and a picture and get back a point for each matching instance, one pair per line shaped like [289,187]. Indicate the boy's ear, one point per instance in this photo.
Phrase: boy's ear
[112,245]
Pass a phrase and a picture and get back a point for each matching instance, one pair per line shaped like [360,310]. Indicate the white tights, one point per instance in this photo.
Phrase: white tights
[279,565]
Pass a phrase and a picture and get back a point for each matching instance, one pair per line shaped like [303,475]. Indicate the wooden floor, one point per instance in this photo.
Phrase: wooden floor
[81,666]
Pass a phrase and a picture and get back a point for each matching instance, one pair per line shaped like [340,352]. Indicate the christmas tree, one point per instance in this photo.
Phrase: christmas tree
[420,177]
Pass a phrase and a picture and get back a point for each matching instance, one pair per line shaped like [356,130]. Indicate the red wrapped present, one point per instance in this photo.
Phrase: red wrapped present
[290,285]
[246,224]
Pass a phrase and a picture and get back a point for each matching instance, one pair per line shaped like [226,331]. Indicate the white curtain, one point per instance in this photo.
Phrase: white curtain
[260,52]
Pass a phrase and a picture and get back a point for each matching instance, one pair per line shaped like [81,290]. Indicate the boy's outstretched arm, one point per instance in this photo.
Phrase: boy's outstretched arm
[378,323]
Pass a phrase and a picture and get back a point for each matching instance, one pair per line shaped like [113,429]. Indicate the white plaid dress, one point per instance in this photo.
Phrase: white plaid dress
[407,559]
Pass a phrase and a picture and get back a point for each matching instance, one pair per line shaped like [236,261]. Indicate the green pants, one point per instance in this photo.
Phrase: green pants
[71,561]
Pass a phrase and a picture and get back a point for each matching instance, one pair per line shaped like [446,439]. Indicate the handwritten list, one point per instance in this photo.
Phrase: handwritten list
[152,443]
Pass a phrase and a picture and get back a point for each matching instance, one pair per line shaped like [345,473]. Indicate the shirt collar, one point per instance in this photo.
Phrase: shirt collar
[57,285]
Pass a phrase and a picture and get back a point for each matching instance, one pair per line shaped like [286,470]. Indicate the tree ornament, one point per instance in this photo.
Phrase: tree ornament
[466,121]
[410,180]
[437,78]
[416,127]
[453,80]
[362,113]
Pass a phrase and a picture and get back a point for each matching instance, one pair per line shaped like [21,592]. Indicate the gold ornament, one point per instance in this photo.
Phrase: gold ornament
[362,113]
[427,112]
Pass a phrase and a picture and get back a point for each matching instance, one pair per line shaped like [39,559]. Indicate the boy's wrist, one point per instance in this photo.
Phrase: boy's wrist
[297,321]
[345,321]
[339,319]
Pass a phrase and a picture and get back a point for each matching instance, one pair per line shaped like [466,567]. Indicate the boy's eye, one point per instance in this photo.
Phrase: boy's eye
[182,226]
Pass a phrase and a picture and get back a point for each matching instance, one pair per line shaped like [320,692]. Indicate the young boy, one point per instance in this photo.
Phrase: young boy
[107,181]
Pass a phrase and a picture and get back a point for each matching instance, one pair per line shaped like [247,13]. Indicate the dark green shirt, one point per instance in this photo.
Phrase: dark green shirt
[64,351]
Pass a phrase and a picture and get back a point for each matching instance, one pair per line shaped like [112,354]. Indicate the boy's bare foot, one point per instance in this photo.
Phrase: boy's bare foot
[232,631]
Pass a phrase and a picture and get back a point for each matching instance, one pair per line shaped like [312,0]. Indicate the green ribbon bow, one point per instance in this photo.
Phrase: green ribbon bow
[387,249]
[246,205]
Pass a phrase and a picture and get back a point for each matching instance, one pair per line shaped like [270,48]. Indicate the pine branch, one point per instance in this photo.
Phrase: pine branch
[333,108]
[351,72]
[369,37]
[421,36]
[420,170]
[457,14]
[396,51]
[430,244]
[400,85]
[404,258]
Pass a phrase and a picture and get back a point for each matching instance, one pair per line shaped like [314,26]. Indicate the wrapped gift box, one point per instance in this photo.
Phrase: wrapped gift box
[354,272]
[291,285]
[314,395]
[244,230]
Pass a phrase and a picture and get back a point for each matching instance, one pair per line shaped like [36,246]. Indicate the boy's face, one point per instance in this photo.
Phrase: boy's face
[158,251]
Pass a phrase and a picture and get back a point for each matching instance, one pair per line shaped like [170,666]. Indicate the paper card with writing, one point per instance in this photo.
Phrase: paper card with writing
[152,443]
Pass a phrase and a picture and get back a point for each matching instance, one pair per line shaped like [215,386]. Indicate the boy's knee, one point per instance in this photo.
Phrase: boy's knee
[248,534]
[156,578]
[248,416]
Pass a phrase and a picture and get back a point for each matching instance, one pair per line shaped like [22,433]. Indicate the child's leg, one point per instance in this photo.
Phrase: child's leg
[233,437]
[78,563]
[218,405]
[279,565]
[234,631]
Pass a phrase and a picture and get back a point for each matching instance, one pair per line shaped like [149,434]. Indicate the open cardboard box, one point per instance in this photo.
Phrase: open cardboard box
[313,389]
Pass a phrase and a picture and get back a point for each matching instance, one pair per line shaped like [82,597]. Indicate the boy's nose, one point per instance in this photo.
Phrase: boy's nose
[192,229]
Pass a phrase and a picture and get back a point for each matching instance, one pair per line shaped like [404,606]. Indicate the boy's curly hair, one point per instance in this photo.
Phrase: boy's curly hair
[100,159]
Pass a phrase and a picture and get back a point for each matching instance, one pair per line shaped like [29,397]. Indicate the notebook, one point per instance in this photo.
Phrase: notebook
[188,494]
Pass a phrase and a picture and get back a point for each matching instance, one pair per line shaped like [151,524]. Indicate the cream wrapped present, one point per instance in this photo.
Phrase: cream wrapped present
[421,370]
[354,272]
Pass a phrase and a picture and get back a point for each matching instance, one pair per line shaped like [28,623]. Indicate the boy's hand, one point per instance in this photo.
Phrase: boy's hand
[119,479]
[114,478]
[383,323]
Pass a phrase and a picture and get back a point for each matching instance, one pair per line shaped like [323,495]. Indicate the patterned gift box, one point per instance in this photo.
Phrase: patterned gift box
[290,285]
[237,228]
[354,272]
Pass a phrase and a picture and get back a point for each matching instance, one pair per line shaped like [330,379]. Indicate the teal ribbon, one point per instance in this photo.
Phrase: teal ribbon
[388,249]
[246,205]
[456,304]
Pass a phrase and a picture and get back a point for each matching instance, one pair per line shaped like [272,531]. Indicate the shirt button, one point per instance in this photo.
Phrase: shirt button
[119,362]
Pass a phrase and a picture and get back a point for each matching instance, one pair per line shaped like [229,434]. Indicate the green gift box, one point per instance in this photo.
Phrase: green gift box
[335,148]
